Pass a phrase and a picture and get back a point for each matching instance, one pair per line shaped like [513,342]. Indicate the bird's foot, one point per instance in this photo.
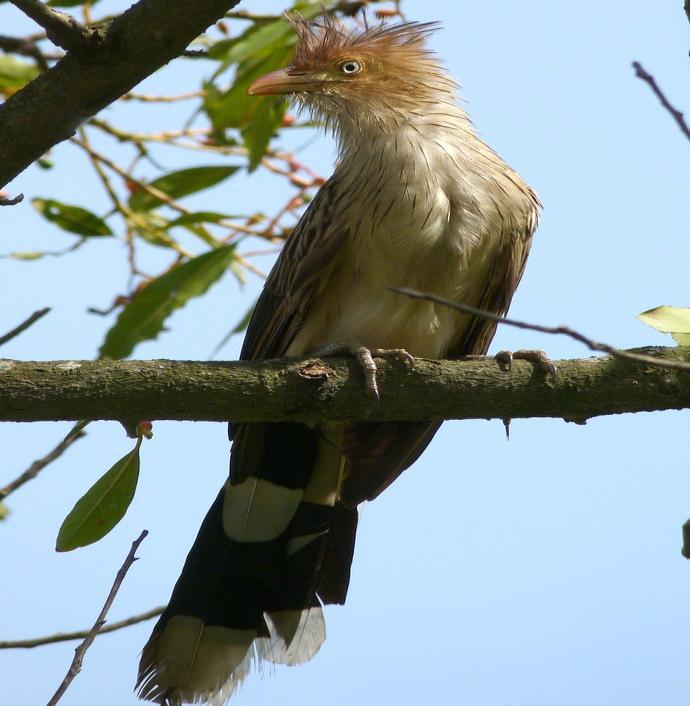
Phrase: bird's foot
[365,357]
[538,358]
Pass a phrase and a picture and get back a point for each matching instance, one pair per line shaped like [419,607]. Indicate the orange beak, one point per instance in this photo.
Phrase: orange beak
[280,82]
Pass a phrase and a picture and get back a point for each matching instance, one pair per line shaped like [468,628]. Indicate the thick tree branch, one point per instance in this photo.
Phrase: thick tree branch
[311,390]
[130,48]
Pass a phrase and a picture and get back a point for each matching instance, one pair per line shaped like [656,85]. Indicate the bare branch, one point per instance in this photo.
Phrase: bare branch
[675,113]
[62,29]
[37,466]
[24,325]
[80,634]
[79,653]
[5,201]
[558,330]
[146,98]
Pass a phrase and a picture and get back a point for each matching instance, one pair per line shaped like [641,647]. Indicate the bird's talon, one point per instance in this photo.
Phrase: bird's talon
[398,353]
[373,392]
[504,360]
[540,360]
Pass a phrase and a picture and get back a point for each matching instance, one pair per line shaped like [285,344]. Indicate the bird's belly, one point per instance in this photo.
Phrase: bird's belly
[391,320]
[358,304]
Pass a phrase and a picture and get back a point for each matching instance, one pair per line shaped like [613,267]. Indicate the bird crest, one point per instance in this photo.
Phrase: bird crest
[327,39]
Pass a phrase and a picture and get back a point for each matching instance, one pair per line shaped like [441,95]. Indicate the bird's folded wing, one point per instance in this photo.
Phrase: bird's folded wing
[298,276]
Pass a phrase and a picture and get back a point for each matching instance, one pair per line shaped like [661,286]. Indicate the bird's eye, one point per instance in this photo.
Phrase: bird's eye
[350,67]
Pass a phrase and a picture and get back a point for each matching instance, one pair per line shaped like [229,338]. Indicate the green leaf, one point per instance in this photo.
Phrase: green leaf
[181,183]
[234,108]
[14,74]
[202,217]
[258,133]
[4,511]
[102,506]
[669,319]
[261,38]
[72,218]
[153,228]
[142,319]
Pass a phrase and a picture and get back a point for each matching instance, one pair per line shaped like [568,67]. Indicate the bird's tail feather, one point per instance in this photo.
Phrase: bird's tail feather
[266,557]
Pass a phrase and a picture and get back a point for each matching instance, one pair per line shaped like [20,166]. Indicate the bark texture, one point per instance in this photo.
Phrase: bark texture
[311,390]
[114,58]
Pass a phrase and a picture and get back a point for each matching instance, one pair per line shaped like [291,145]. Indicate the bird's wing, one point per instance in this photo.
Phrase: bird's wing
[498,292]
[378,452]
[300,272]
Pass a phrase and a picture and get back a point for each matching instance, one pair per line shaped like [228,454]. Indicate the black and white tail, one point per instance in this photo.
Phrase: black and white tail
[275,545]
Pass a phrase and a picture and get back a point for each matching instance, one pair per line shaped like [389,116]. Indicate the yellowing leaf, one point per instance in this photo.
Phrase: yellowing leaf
[102,506]
[670,319]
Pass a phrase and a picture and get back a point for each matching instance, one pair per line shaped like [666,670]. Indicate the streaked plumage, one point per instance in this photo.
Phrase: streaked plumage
[416,200]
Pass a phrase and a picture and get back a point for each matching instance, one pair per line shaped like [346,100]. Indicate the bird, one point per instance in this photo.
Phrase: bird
[417,199]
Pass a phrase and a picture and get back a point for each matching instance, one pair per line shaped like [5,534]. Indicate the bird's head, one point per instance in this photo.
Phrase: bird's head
[379,72]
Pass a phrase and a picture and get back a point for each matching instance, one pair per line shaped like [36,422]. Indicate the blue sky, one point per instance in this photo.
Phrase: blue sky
[544,571]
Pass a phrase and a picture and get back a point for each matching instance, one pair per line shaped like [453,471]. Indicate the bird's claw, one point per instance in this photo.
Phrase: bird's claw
[399,354]
[365,357]
[538,358]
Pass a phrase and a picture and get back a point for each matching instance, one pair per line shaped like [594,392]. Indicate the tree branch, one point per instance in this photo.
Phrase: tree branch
[7,201]
[81,649]
[79,634]
[76,433]
[311,390]
[130,48]
[62,29]
[553,330]
[24,325]
[676,114]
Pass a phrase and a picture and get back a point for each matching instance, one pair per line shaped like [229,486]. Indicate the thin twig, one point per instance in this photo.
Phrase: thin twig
[24,47]
[124,174]
[5,201]
[24,325]
[62,29]
[675,113]
[145,98]
[563,330]
[79,634]
[81,649]
[75,433]
[196,54]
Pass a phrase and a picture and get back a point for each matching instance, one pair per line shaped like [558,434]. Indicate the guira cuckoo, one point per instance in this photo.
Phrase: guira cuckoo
[416,200]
